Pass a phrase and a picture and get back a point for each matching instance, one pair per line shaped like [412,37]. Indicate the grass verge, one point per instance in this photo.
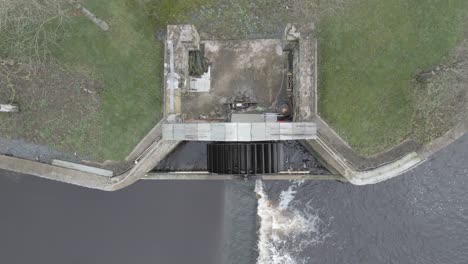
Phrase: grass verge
[113,79]
[127,60]
[369,53]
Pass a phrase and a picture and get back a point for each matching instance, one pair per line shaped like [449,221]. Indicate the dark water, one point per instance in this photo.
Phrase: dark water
[189,156]
[240,223]
[420,217]
[45,222]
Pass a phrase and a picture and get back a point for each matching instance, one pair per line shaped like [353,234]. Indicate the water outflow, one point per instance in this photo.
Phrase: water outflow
[285,231]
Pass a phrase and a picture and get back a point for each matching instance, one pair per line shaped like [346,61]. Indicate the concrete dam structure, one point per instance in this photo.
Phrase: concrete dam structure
[243,97]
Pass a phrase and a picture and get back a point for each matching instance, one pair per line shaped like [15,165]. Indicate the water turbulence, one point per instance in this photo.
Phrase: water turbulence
[285,231]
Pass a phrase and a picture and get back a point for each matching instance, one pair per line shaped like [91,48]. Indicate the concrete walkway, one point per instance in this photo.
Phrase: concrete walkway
[146,156]
[206,176]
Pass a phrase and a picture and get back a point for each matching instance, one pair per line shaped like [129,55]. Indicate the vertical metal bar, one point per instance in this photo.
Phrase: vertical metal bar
[215,159]
[274,164]
[208,160]
[281,157]
[241,158]
[229,160]
[221,162]
[255,159]
[248,162]
[239,161]
[269,158]
[263,158]
[226,158]
[246,158]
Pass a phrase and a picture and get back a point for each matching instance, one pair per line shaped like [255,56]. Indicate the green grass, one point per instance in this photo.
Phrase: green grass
[164,12]
[127,60]
[368,56]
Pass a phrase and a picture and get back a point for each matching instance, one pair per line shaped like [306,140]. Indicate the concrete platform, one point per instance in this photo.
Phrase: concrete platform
[248,70]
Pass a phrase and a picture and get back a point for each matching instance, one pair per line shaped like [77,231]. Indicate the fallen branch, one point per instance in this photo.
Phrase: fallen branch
[97,21]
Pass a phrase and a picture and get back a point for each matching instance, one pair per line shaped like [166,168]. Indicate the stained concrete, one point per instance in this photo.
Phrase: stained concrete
[180,40]
[248,70]
[301,42]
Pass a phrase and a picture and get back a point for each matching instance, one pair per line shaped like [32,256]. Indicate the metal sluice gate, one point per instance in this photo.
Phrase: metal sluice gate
[247,158]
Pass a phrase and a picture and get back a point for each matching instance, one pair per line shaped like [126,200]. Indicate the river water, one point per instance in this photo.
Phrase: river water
[420,217]
[45,222]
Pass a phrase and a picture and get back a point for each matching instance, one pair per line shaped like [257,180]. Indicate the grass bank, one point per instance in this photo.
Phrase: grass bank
[89,92]
[369,54]
[127,61]
[370,51]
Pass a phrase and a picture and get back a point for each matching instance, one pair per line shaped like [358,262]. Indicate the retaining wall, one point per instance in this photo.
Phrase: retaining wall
[329,147]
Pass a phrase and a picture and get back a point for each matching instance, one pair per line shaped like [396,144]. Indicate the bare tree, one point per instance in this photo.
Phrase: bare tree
[30,28]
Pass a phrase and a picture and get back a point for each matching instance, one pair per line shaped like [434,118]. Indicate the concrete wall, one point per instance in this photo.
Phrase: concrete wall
[182,38]
[216,177]
[301,42]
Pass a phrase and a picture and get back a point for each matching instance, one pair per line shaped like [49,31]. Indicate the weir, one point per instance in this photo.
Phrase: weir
[189,161]
[245,103]
[254,93]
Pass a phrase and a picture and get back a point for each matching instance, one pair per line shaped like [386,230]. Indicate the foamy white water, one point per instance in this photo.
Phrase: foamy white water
[285,231]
